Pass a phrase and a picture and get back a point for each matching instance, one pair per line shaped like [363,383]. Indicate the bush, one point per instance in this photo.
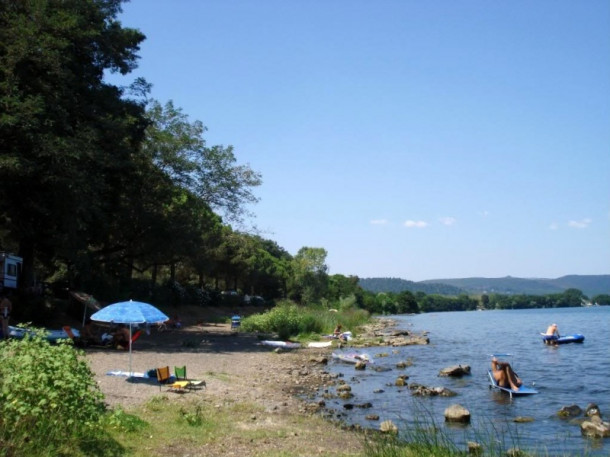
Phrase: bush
[48,397]
[289,320]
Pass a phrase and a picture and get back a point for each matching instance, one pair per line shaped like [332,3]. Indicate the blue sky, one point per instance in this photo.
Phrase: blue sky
[410,139]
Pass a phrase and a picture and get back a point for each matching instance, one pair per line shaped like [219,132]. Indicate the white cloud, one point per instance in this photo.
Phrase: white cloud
[379,221]
[416,224]
[553,226]
[447,220]
[484,213]
[582,224]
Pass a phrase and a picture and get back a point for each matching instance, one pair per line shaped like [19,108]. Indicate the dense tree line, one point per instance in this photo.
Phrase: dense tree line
[106,190]
[408,302]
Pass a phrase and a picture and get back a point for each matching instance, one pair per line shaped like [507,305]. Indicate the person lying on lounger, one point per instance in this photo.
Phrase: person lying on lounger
[504,375]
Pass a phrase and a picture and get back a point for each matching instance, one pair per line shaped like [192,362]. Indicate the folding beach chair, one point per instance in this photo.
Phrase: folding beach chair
[193,384]
[165,378]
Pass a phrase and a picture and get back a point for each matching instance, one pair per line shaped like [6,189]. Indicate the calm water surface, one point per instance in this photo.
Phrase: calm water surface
[564,375]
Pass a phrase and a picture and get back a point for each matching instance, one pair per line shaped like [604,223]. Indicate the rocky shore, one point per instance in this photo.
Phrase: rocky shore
[237,369]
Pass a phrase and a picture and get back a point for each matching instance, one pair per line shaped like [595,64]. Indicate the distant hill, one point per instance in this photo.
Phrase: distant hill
[590,285]
[396,285]
[507,285]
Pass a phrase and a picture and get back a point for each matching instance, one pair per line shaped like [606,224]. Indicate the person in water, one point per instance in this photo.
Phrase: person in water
[504,375]
[552,330]
[551,335]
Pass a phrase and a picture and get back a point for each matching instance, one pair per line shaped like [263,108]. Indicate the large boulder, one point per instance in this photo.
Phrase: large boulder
[456,371]
[595,428]
[423,391]
[360,365]
[570,411]
[401,381]
[457,413]
[593,410]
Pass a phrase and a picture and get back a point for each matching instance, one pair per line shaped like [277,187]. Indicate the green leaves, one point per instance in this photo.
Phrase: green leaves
[47,385]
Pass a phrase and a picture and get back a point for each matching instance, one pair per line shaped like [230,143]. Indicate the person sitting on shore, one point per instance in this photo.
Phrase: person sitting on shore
[121,337]
[338,333]
[174,322]
[504,375]
[88,334]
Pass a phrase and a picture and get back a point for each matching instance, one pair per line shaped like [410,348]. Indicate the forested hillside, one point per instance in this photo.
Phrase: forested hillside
[590,285]
[397,285]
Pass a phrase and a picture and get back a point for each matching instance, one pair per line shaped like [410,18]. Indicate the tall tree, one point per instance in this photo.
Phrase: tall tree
[310,275]
[177,147]
[66,136]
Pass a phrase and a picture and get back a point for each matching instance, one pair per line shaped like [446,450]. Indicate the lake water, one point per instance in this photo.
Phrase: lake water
[564,375]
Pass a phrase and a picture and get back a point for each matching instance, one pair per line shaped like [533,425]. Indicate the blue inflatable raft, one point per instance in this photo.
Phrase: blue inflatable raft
[566,339]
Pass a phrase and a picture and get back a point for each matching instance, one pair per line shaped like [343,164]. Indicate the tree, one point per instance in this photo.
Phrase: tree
[406,303]
[66,136]
[601,299]
[310,278]
[178,149]
[340,286]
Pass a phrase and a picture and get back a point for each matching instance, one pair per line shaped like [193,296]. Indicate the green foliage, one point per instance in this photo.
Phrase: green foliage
[48,396]
[290,320]
[285,319]
[119,420]
[397,285]
[309,281]
[193,416]
[601,299]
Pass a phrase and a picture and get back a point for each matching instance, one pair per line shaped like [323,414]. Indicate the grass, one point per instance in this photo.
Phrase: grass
[164,426]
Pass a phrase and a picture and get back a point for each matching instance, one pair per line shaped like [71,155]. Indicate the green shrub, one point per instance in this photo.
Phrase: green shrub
[289,320]
[48,397]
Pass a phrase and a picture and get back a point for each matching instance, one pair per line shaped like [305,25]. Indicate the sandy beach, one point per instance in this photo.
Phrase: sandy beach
[236,369]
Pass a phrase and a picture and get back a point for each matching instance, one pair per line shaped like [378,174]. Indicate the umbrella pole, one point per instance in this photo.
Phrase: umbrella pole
[130,372]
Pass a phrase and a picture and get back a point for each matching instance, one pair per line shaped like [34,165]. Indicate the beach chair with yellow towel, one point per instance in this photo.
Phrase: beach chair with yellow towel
[165,378]
[193,384]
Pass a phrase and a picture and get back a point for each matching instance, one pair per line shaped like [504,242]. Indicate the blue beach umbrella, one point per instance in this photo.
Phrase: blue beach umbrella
[130,313]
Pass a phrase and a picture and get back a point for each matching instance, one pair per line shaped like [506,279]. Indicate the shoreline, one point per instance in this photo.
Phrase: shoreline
[237,370]
[282,386]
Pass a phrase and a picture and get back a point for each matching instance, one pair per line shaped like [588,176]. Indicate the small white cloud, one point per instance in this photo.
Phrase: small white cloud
[448,220]
[415,224]
[553,226]
[582,224]
[379,221]
[484,213]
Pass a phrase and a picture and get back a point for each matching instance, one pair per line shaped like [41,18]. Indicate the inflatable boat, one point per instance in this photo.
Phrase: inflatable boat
[553,339]
[351,357]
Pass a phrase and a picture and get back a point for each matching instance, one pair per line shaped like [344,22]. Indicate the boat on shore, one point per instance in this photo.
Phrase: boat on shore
[53,336]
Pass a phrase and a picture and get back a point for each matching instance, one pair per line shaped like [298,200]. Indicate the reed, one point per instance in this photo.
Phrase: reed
[289,320]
